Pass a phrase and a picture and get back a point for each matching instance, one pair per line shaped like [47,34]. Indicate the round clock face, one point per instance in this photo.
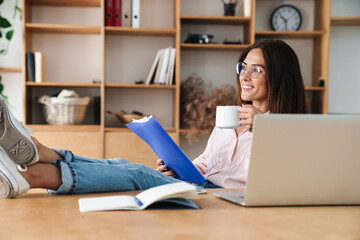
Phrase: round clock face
[286,18]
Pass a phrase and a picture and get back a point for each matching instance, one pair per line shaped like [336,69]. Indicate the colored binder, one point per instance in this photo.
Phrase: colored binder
[126,13]
[135,21]
[109,13]
[30,66]
[117,13]
[149,130]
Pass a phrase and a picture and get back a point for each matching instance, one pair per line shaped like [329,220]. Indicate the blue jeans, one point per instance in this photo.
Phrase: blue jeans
[86,175]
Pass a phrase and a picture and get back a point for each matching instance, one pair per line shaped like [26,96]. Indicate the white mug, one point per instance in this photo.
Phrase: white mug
[227,117]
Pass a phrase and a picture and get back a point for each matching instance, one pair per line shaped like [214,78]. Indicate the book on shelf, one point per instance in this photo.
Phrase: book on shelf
[171,67]
[162,67]
[149,130]
[40,67]
[135,16]
[126,13]
[150,76]
[117,13]
[247,8]
[158,69]
[172,193]
[109,8]
[30,66]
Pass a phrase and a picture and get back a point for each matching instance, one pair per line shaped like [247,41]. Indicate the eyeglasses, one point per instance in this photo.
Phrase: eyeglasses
[253,70]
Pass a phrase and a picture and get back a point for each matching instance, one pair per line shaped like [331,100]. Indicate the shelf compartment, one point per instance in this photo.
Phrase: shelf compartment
[61,28]
[64,128]
[213,46]
[230,20]
[152,86]
[67,3]
[345,21]
[314,88]
[290,34]
[119,129]
[10,70]
[140,31]
[62,84]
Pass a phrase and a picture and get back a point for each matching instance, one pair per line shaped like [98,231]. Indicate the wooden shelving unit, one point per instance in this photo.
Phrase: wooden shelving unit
[10,70]
[59,84]
[221,20]
[151,86]
[140,31]
[290,34]
[96,140]
[210,46]
[106,140]
[57,28]
[345,21]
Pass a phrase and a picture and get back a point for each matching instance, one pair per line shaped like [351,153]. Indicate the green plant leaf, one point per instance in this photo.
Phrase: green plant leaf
[2,51]
[4,23]
[9,35]
[0,34]
[1,1]
[17,8]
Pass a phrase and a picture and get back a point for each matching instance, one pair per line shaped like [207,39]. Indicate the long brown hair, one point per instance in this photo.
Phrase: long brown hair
[285,84]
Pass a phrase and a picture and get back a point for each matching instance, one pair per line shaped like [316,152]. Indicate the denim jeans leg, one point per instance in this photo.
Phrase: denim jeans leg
[86,175]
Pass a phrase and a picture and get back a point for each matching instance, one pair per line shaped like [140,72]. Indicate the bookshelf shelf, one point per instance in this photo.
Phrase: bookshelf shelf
[119,129]
[64,128]
[10,70]
[120,85]
[61,28]
[314,88]
[231,20]
[345,21]
[140,31]
[195,46]
[62,84]
[72,3]
[290,34]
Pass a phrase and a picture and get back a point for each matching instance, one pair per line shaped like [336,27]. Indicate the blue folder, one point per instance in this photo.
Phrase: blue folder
[166,149]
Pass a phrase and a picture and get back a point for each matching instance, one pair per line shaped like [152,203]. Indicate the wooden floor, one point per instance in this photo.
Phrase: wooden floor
[37,215]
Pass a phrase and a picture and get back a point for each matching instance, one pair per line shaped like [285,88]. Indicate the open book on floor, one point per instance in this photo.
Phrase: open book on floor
[168,196]
[149,130]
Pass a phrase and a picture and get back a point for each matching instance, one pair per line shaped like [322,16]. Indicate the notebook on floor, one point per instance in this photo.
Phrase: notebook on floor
[302,160]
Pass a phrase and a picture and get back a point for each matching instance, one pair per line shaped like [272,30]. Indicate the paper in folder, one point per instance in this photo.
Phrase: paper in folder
[149,130]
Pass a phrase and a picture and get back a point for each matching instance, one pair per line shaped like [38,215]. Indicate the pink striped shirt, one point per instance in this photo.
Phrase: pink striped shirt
[225,161]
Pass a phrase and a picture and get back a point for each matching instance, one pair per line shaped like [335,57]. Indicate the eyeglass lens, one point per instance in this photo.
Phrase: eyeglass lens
[254,71]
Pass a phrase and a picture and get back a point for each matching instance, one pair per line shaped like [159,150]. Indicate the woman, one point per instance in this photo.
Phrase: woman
[268,76]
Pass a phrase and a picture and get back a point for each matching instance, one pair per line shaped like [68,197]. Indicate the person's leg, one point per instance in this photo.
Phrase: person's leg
[46,155]
[85,175]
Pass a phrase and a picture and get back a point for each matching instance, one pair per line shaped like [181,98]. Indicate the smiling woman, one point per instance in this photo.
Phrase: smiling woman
[280,77]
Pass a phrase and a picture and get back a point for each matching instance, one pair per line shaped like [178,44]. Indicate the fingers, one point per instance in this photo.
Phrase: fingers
[246,114]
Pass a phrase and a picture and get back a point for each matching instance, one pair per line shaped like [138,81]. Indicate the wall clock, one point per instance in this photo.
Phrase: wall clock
[286,18]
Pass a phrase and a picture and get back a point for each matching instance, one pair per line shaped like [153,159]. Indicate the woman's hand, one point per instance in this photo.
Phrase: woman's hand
[247,114]
[161,167]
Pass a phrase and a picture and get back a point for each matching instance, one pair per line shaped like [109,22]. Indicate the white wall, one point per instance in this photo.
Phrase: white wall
[344,62]
[12,81]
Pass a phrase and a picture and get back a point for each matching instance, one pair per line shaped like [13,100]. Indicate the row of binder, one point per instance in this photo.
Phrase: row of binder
[124,13]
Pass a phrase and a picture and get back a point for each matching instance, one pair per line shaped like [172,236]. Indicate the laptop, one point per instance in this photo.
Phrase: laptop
[302,159]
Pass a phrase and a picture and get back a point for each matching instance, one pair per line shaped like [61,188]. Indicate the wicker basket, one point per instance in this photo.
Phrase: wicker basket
[64,111]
